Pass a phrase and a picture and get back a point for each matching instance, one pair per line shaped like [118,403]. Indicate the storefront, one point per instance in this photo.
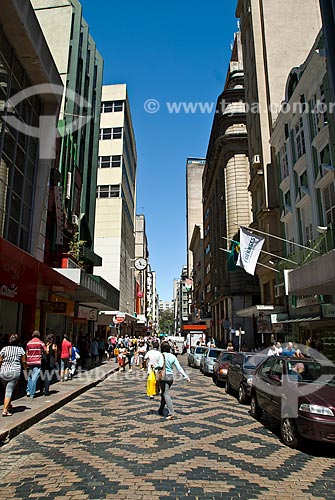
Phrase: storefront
[25,283]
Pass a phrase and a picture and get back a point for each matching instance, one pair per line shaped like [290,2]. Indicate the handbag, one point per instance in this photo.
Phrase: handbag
[161,372]
[152,384]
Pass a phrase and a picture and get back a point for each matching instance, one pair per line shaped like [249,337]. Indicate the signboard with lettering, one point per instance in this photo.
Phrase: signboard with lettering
[55,307]
[87,313]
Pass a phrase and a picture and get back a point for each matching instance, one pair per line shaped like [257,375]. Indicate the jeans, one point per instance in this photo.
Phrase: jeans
[165,386]
[33,376]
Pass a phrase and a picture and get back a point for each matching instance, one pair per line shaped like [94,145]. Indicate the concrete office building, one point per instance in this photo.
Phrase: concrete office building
[194,210]
[116,193]
[273,41]
[141,251]
[227,204]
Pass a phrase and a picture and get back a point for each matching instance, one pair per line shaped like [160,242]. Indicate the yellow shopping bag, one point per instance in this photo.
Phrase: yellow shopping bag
[152,384]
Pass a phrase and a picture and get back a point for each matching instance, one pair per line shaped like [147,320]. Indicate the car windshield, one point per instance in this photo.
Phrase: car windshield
[252,361]
[227,356]
[200,350]
[310,372]
[213,353]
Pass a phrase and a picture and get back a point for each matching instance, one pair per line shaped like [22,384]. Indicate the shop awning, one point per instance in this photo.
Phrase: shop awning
[91,290]
[301,319]
[265,309]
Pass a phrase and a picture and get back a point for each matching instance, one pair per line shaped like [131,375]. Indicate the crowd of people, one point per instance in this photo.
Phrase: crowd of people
[41,362]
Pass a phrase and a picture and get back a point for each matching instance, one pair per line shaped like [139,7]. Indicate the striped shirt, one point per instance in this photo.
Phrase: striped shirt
[35,348]
[11,358]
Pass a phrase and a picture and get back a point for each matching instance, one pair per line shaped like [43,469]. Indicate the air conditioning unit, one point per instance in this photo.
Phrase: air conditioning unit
[75,219]
[256,161]
[279,290]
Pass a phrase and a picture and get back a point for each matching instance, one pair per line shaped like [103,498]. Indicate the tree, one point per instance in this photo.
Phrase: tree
[166,321]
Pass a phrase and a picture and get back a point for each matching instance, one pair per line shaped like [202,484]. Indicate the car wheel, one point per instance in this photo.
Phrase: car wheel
[242,397]
[228,388]
[255,410]
[289,433]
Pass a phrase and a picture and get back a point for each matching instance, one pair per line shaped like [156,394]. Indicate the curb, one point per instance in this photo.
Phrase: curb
[9,434]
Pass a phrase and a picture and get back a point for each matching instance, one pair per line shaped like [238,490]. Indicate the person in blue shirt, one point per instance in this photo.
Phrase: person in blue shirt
[288,350]
[167,362]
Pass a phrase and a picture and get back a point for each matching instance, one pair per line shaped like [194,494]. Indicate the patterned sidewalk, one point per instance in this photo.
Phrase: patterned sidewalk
[110,443]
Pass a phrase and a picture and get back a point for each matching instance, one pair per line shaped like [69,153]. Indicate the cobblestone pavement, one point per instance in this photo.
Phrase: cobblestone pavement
[110,443]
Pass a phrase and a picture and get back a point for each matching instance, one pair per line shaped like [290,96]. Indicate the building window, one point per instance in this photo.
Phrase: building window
[111,191]
[328,197]
[306,223]
[110,161]
[283,162]
[110,133]
[208,249]
[300,138]
[287,198]
[303,179]
[111,106]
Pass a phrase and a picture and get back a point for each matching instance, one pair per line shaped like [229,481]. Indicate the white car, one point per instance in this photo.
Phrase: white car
[195,355]
[208,360]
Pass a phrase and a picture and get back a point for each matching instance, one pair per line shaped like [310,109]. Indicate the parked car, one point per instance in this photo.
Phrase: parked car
[300,394]
[207,360]
[220,367]
[195,355]
[240,374]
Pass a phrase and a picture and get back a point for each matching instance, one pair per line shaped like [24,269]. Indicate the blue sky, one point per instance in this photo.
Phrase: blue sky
[171,52]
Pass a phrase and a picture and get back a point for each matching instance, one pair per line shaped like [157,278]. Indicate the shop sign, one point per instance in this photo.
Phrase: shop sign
[119,318]
[328,310]
[79,321]
[308,301]
[55,307]
[87,313]
[8,291]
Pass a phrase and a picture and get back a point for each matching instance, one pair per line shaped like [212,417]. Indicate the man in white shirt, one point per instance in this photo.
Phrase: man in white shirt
[273,350]
[152,356]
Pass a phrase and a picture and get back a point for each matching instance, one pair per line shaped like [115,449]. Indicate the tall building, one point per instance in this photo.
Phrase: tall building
[141,252]
[273,42]
[227,204]
[69,244]
[328,27]
[25,61]
[302,140]
[194,171]
[74,181]
[116,195]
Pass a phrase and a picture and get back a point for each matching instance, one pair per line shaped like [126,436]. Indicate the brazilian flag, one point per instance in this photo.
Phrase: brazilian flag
[232,257]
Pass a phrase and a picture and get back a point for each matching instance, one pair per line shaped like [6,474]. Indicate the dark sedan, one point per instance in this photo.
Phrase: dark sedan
[220,367]
[240,374]
[300,394]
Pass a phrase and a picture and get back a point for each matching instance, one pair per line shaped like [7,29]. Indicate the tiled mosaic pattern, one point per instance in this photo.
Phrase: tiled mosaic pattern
[110,443]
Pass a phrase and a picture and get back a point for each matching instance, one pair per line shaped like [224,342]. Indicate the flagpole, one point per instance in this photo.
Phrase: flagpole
[277,238]
[258,263]
[267,253]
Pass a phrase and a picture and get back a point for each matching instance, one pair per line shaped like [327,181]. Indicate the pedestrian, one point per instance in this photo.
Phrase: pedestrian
[49,365]
[12,358]
[73,361]
[34,350]
[288,350]
[272,350]
[65,358]
[230,347]
[101,349]
[141,354]
[166,363]
[94,348]
[122,357]
[130,355]
[152,357]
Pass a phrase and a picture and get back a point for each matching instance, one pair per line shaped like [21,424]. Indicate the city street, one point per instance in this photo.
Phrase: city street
[110,443]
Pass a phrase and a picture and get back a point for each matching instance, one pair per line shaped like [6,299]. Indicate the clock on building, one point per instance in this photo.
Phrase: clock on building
[140,264]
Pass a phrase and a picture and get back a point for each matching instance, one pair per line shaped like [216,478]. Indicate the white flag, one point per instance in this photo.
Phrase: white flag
[250,248]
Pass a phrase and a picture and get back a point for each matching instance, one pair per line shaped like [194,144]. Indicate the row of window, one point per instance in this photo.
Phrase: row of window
[110,133]
[109,191]
[110,161]
[112,106]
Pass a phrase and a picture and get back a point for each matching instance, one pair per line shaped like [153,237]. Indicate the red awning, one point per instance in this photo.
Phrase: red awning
[21,275]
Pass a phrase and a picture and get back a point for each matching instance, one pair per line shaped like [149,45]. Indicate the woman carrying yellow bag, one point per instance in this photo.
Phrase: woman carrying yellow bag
[152,384]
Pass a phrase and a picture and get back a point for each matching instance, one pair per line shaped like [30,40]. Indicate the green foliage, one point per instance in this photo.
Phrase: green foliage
[166,322]
[75,248]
